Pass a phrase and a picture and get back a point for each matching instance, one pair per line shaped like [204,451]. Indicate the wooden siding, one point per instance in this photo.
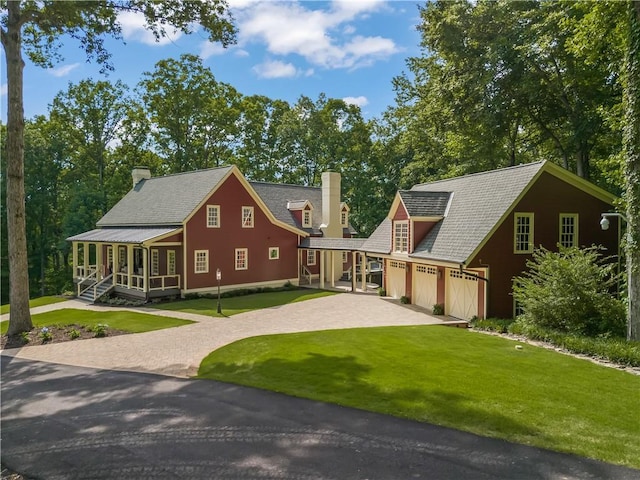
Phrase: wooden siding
[547,198]
[222,242]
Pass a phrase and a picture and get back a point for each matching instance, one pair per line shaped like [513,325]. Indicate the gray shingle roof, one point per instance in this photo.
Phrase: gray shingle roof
[425,204]
[277,196]
[479,202]
[164,200]
[380,239]
[121,235]
[345,244]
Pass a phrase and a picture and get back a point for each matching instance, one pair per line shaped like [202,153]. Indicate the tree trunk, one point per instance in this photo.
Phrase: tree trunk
[20,317]
[632,169]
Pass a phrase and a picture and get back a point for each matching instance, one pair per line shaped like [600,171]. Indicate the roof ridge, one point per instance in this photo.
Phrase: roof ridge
[274,184]
[200,170]
[485,172]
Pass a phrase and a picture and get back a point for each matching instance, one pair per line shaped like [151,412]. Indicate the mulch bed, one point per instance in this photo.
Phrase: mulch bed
[62,333]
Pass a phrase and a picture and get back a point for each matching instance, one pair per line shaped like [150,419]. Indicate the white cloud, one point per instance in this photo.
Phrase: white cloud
[133,29]
[359,101]
[324,38]
[3,90]
[275,69]
[209,49]
[64,70]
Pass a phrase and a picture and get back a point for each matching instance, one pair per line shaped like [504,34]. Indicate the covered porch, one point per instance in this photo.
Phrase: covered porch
[127,261]
[358,277]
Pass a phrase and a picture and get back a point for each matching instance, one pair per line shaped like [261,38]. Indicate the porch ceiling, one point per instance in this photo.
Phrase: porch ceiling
[123,235]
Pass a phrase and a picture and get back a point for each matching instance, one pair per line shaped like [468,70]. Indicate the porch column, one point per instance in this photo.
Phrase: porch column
[145,269]
[353,267]
[99,262]
[322,257]
[129,264]
[333,268]
[75,259]
[85,258]
[363,269]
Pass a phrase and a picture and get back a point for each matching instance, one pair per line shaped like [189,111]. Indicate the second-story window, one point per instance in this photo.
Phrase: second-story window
[568,229]
[247,217]
[523,233]
[401,237]
[306,218]
[213,216]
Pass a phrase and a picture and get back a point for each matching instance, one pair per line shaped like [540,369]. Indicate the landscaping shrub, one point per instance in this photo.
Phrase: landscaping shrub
[404,300]
[438,309]
[382,292]
[499,325]
[569,292]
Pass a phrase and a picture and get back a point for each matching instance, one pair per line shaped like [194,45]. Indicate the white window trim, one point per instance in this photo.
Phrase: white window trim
[247,209]
[215,208]
[530,216]
[396,224]
[155,262]
[309,257]
[307,223]
[344,218]
[575,217]
[345,257]
[246,258]
[169,270]
[110,257]
[195,261]
[275,250]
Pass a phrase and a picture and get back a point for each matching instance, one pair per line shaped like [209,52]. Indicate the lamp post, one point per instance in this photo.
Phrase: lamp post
[604,224]
[219,277]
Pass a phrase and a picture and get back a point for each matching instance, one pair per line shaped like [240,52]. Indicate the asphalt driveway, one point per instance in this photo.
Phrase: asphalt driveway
[179,351]
[65,422]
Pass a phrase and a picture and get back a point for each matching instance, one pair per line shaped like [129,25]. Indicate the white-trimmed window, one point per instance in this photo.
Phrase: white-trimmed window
[110,258]
[201,261]
[242,258]
[345,257]
[523,233]
[401,236]
[247,217]
[306,218]
[122,256]
[155,262]
[311,257]
[213,216]
[274,253]
[171,262]
[568,229]
[344,218]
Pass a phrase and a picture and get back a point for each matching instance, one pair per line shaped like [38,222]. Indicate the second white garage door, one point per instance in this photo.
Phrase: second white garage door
[461,295]
[425,286]
[396,279]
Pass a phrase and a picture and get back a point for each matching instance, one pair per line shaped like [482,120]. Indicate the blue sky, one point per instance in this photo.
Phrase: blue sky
[349,49]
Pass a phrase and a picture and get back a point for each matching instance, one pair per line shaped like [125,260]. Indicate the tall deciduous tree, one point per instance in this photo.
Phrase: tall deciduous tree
[35,28]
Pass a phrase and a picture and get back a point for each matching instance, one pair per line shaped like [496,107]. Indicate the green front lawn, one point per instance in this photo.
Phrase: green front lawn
[35,302]
[132,322]
[451,377]
[244,303]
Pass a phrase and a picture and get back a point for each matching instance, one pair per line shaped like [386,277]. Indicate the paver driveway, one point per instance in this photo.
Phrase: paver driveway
[179,351]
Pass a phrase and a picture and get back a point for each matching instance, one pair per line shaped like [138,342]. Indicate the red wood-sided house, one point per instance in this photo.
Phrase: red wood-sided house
[459,242]
[171,235]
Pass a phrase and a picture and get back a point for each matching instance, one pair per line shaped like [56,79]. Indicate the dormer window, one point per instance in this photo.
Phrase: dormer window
[344,215]
[306,218]
[401,236]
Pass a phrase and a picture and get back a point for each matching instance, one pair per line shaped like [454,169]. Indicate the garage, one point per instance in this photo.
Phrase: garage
[396,279]
[425,286]
[461,296]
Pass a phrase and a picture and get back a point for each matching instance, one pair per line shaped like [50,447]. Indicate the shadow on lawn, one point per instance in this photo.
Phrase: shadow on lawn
[343,380]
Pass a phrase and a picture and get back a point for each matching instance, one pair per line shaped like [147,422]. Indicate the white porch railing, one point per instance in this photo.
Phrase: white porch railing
[91,270]
[305,273]
[92,275]
[95,286]
[157,282]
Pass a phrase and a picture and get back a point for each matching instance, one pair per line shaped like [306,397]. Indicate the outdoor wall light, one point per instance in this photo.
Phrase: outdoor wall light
[604,223]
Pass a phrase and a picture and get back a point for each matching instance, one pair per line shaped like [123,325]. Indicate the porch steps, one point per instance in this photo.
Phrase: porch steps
[101,289]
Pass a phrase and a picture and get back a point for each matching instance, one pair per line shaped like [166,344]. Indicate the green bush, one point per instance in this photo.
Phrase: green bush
[438,309]
[616,350]
[499,325]
[382,292]
[569,292]
[404,300]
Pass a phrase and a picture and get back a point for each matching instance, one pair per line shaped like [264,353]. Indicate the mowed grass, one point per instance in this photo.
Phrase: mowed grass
[451,377]
[133,322]
[243,303]
[35,302]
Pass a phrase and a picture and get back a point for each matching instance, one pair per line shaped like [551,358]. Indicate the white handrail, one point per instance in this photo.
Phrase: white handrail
[94,286]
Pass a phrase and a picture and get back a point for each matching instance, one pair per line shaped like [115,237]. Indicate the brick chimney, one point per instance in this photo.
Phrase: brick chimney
[139,174]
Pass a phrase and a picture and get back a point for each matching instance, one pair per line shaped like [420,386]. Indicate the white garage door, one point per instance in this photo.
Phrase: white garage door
[461,295]
[396,279]
[425,286]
